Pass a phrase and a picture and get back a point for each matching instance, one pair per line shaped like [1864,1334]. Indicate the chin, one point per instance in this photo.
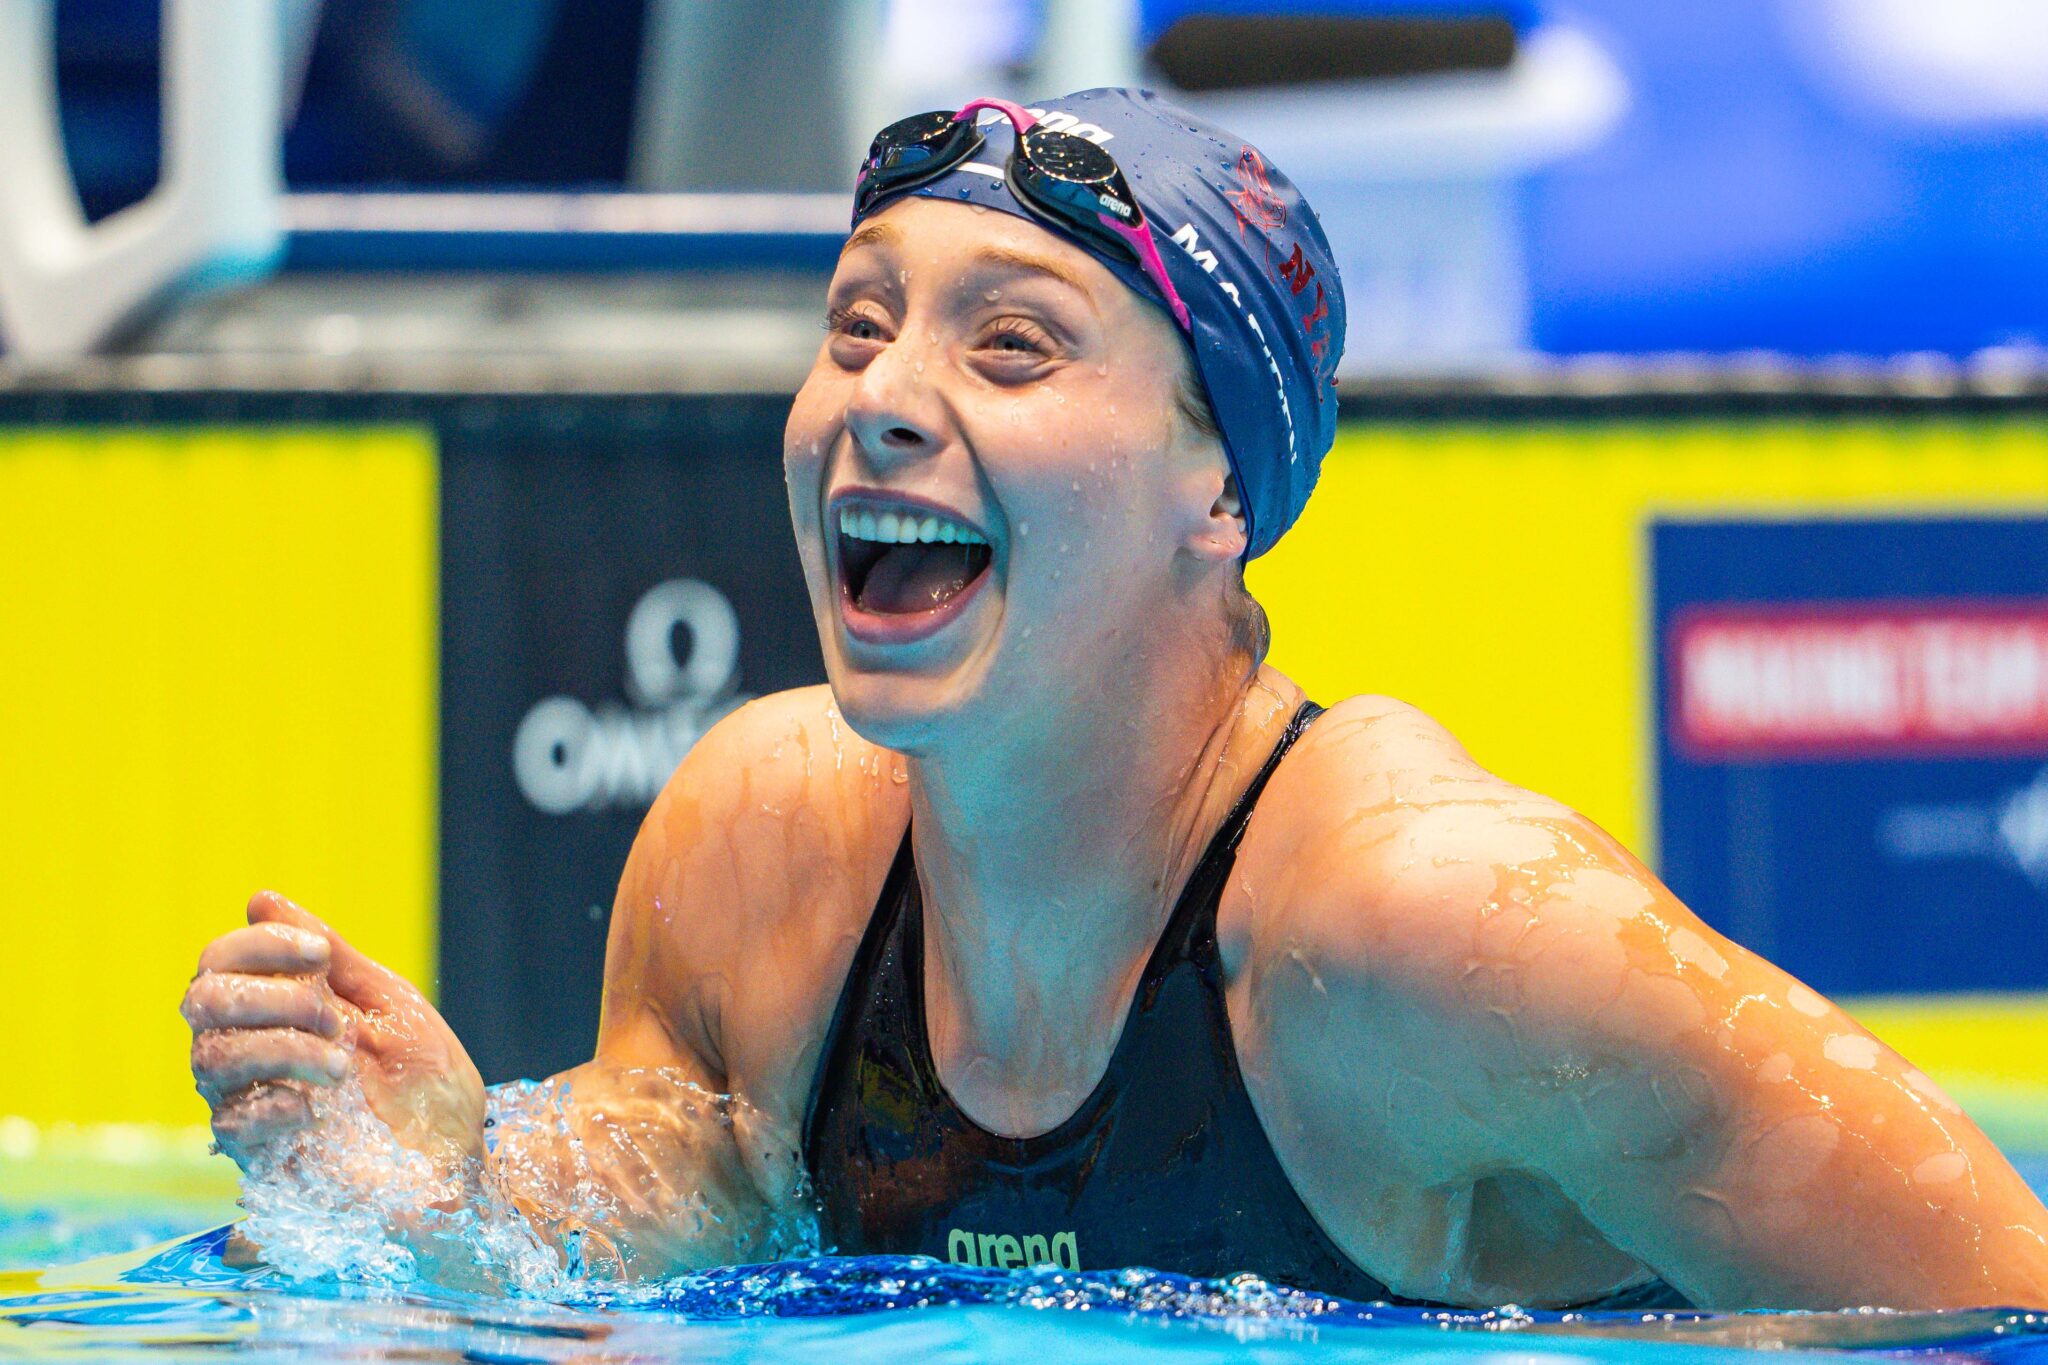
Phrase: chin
[911,696]
[905,713]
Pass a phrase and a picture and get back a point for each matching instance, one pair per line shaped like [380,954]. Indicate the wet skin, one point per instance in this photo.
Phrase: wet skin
[1498,1060]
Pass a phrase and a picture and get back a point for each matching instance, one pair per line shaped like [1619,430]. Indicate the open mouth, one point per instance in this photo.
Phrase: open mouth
[906,561]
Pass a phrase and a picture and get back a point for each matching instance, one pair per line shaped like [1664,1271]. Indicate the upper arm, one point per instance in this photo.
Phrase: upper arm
[1755,1143]
[739,895]
[1533,1000]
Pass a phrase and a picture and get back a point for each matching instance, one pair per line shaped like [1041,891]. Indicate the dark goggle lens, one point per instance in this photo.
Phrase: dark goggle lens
[911,141]
[1079,177]
[1066,157]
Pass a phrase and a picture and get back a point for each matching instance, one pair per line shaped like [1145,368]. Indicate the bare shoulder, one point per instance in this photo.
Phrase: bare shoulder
[1397,860]
[750,882]
[1405,900]
[1427,956]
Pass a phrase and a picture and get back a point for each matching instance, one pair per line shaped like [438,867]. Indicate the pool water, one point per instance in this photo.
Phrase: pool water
[133,1288]
[177,1302]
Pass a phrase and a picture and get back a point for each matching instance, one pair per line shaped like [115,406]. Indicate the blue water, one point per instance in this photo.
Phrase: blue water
[178,1302]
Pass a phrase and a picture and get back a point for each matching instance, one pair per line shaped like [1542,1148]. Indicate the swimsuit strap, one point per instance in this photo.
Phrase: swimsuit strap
[1191,929]
[1232,832]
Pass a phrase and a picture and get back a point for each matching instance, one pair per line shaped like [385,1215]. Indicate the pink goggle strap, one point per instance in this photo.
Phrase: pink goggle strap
[1015,113]
[1146,245]
[1139,236]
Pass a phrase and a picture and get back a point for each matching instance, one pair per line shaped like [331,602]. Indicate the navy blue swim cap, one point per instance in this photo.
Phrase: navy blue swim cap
[1247,256]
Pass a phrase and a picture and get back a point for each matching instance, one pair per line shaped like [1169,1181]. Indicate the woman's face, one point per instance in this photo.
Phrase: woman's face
[994,493]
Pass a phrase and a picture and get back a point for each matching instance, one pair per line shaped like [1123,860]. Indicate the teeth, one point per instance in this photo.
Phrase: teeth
[907,529]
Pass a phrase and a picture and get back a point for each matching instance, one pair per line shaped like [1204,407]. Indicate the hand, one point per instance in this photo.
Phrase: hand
[286,1004]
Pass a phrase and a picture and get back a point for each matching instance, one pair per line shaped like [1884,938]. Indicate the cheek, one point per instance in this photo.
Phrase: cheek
[1072,468]
[807,436]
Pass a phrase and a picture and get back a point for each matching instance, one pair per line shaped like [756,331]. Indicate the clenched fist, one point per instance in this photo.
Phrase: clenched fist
[285,1005]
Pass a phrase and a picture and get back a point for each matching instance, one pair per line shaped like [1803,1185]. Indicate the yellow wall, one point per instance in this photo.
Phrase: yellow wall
[217,672]
[1498,576]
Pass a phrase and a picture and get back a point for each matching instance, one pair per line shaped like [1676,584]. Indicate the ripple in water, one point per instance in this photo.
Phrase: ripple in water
[345,1201]
[346,1205]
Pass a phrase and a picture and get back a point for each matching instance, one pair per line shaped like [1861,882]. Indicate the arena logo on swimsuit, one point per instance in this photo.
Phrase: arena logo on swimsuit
[1004,1251]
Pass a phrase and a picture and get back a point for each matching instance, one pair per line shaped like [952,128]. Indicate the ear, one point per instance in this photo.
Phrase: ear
[1222,535]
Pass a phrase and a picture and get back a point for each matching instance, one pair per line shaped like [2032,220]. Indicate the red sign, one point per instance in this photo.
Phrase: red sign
[1861,679]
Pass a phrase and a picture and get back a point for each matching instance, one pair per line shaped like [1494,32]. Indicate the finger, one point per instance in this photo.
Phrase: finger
[220,1000]
[259,1116]
[241,1253]
[355,977]
[281,948]
[227,1060]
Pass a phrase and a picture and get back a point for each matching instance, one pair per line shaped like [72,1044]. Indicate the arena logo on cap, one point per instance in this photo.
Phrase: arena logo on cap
[1054,121]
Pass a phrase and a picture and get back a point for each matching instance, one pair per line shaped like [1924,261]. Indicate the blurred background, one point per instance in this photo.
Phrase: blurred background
[390,408]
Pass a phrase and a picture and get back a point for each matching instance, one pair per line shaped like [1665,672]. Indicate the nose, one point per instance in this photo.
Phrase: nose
[895,413]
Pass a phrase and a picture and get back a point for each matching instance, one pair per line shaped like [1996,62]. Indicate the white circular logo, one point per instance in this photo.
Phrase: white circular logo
[568,756]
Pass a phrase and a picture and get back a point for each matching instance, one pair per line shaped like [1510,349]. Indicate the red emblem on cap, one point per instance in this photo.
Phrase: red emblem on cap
[1253,201]
[1257,205]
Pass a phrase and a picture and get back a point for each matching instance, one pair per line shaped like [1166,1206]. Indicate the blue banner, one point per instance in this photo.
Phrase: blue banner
[1852,744]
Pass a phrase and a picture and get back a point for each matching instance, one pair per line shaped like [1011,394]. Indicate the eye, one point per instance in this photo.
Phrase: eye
[1016,337]
[854,325]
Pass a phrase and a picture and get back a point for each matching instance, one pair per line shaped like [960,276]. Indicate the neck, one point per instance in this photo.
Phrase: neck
[1050,861]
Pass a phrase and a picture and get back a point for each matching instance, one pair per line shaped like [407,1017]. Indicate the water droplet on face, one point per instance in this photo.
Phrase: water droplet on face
[1076,486]
[1023,528]
[1027,633]
[993,294]
[903,277]
[918,367]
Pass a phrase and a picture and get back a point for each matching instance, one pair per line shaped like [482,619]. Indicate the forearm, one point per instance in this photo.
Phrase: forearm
[1809,1212]
[638,1172]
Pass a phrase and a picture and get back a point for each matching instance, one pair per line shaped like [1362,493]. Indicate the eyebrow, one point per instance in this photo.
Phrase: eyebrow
[1009,258]
[877,234]
[1026,263]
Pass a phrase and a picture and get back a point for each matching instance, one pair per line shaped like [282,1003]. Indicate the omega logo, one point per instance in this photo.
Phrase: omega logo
[568,756]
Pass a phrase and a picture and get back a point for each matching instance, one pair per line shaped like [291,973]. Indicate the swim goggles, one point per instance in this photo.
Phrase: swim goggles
[1065,180]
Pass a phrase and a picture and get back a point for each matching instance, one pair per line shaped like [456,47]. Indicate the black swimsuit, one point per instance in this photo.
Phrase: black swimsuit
[1165,1164]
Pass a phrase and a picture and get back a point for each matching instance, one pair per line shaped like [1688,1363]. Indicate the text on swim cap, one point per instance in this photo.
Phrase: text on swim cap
[1190,241]
[1297,271]
[1055,121]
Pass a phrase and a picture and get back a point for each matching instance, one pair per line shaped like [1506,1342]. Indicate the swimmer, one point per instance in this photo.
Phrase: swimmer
[1061,928]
